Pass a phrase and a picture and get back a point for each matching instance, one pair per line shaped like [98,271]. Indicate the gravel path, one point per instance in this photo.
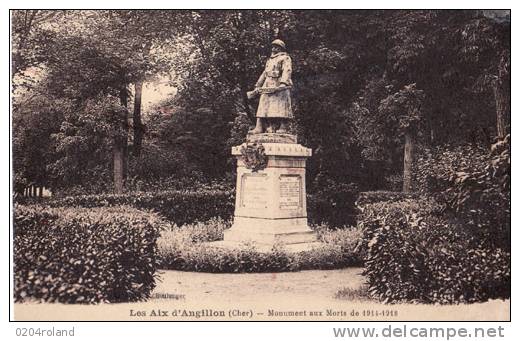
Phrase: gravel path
[305,295]
[313,284]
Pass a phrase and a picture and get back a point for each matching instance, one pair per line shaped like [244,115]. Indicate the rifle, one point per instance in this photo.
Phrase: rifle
[258,91]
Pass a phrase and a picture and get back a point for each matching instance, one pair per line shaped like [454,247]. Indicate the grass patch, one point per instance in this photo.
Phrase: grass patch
[356,294]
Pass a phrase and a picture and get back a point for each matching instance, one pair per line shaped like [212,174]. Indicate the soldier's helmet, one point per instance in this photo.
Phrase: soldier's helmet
[278,42]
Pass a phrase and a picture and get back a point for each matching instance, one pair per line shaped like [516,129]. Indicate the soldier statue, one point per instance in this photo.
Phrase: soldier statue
[274,88]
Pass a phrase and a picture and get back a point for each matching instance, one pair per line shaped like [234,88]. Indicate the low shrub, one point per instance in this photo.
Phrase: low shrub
[328,256]
[200,232]
[84,255]
[179,207]
[185,248]
[415,254]
[204,258]
[347,240]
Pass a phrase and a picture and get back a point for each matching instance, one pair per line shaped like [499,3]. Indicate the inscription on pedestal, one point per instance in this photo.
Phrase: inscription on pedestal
[290,192]
[254,191]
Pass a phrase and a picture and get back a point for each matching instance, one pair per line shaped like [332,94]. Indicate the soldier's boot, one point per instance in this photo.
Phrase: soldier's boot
[259,127]
[283,127]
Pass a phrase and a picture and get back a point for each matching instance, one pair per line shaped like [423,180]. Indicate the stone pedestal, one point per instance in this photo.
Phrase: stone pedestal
[271,205]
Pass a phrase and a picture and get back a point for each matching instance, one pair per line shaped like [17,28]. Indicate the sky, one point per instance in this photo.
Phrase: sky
[155,92]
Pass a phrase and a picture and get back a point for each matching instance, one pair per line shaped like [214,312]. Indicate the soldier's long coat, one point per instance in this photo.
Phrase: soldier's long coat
[277,71]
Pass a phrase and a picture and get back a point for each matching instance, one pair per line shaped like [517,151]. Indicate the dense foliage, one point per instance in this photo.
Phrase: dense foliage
[474,184]
[349,69]
[414,253]
[84,255]
[367,198]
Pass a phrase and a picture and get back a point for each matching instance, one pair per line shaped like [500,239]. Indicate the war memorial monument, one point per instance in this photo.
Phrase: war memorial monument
[270,207]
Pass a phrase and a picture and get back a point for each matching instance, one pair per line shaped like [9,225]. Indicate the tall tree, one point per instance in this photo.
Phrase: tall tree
[105,52]
[404,108]
[147,37]
[485,46]
[31,33]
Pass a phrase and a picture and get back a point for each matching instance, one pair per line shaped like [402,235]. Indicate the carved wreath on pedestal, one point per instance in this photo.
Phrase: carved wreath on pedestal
[254,156]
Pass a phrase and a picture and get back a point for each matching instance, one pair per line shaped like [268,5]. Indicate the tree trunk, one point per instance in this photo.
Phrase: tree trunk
[118,167]
[137,122]
[409,143]
[503,96]
[124,144]
[120,149]
[40,191]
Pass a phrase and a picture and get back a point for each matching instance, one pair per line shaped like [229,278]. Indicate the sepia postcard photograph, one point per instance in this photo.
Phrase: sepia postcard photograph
[260,165]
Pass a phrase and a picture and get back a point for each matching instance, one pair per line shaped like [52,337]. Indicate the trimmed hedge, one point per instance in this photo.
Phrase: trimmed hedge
[84,255]
[185,249]
[415,254]
[179,207]
[333,207]
[333,204]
